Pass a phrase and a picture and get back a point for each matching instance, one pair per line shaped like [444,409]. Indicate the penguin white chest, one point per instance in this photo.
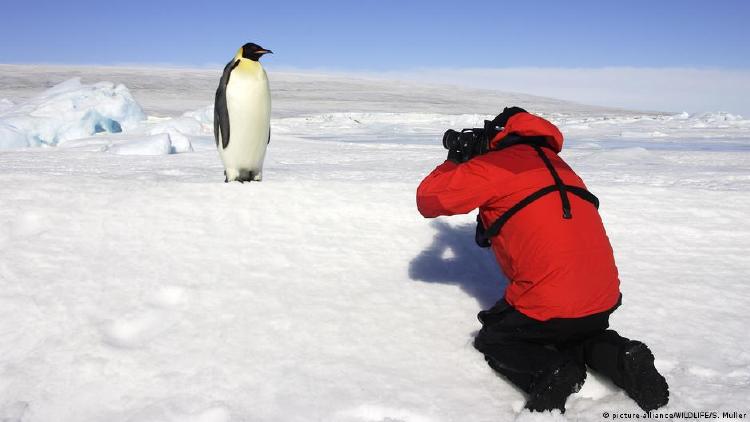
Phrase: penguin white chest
[249,112]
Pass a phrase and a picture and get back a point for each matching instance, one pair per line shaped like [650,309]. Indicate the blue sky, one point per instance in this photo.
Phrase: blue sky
[368,35]
[671,55]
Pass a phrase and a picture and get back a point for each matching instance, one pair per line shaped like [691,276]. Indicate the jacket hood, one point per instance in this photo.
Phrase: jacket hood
[527,124]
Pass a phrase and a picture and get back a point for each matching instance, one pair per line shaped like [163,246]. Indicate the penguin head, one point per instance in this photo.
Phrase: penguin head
[252,51]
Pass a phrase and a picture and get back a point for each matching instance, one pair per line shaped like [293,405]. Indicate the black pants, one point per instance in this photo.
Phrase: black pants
[522,348]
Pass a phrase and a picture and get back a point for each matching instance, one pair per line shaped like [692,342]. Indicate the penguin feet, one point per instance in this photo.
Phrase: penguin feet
[242,176]
[230,175]
[250,176]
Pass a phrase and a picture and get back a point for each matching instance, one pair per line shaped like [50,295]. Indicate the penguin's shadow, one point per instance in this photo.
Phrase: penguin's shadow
[454,258]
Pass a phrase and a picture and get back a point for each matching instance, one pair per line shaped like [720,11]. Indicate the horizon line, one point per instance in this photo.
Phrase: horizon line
[287,68]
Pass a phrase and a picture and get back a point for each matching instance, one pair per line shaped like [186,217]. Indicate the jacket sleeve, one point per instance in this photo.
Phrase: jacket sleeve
[455,189]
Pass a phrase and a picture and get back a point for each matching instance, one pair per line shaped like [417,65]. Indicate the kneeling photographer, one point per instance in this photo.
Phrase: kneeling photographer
[545,231]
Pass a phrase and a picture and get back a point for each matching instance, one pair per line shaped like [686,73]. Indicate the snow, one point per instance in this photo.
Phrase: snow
[160,144]
[69,110]
[5,104]
[136,286]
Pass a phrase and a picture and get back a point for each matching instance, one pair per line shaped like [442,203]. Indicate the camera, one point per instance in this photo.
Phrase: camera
[466,144]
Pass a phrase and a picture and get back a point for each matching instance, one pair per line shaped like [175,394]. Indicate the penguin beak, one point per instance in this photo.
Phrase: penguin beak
[264,51]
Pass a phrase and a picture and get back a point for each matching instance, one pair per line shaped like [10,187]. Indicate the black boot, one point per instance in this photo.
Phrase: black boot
[552,388]
[640,379]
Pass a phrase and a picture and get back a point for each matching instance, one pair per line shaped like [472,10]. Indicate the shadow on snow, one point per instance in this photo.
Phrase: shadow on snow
[454,258]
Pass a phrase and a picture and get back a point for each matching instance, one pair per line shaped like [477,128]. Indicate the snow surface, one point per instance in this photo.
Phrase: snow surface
[136,286]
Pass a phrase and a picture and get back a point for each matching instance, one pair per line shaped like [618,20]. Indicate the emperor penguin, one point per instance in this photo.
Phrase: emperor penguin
[242,115]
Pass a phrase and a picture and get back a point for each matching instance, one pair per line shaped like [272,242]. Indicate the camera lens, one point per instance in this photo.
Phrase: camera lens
[466,139]
[451,139]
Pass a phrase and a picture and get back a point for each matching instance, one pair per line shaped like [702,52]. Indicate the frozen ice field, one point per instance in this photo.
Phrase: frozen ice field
[136,286]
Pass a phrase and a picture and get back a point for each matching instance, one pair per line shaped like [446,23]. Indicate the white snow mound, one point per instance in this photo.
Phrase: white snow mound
[69,110]
[131,144]
[159,144]
[180,130]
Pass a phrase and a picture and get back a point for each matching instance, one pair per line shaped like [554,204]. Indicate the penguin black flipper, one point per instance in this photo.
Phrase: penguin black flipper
[221,112]
[217,119]
[269,136]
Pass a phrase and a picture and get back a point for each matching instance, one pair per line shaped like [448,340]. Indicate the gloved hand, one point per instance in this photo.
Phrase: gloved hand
[456,156]
[479,237]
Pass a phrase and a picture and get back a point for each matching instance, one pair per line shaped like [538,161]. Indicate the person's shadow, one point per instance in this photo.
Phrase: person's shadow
[454,258]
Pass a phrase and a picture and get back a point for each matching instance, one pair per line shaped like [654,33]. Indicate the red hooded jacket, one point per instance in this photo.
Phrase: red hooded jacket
[556,267]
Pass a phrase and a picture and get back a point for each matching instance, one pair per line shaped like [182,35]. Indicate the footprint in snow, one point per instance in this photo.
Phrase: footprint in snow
[27,224]
[136,329]
[169,297]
